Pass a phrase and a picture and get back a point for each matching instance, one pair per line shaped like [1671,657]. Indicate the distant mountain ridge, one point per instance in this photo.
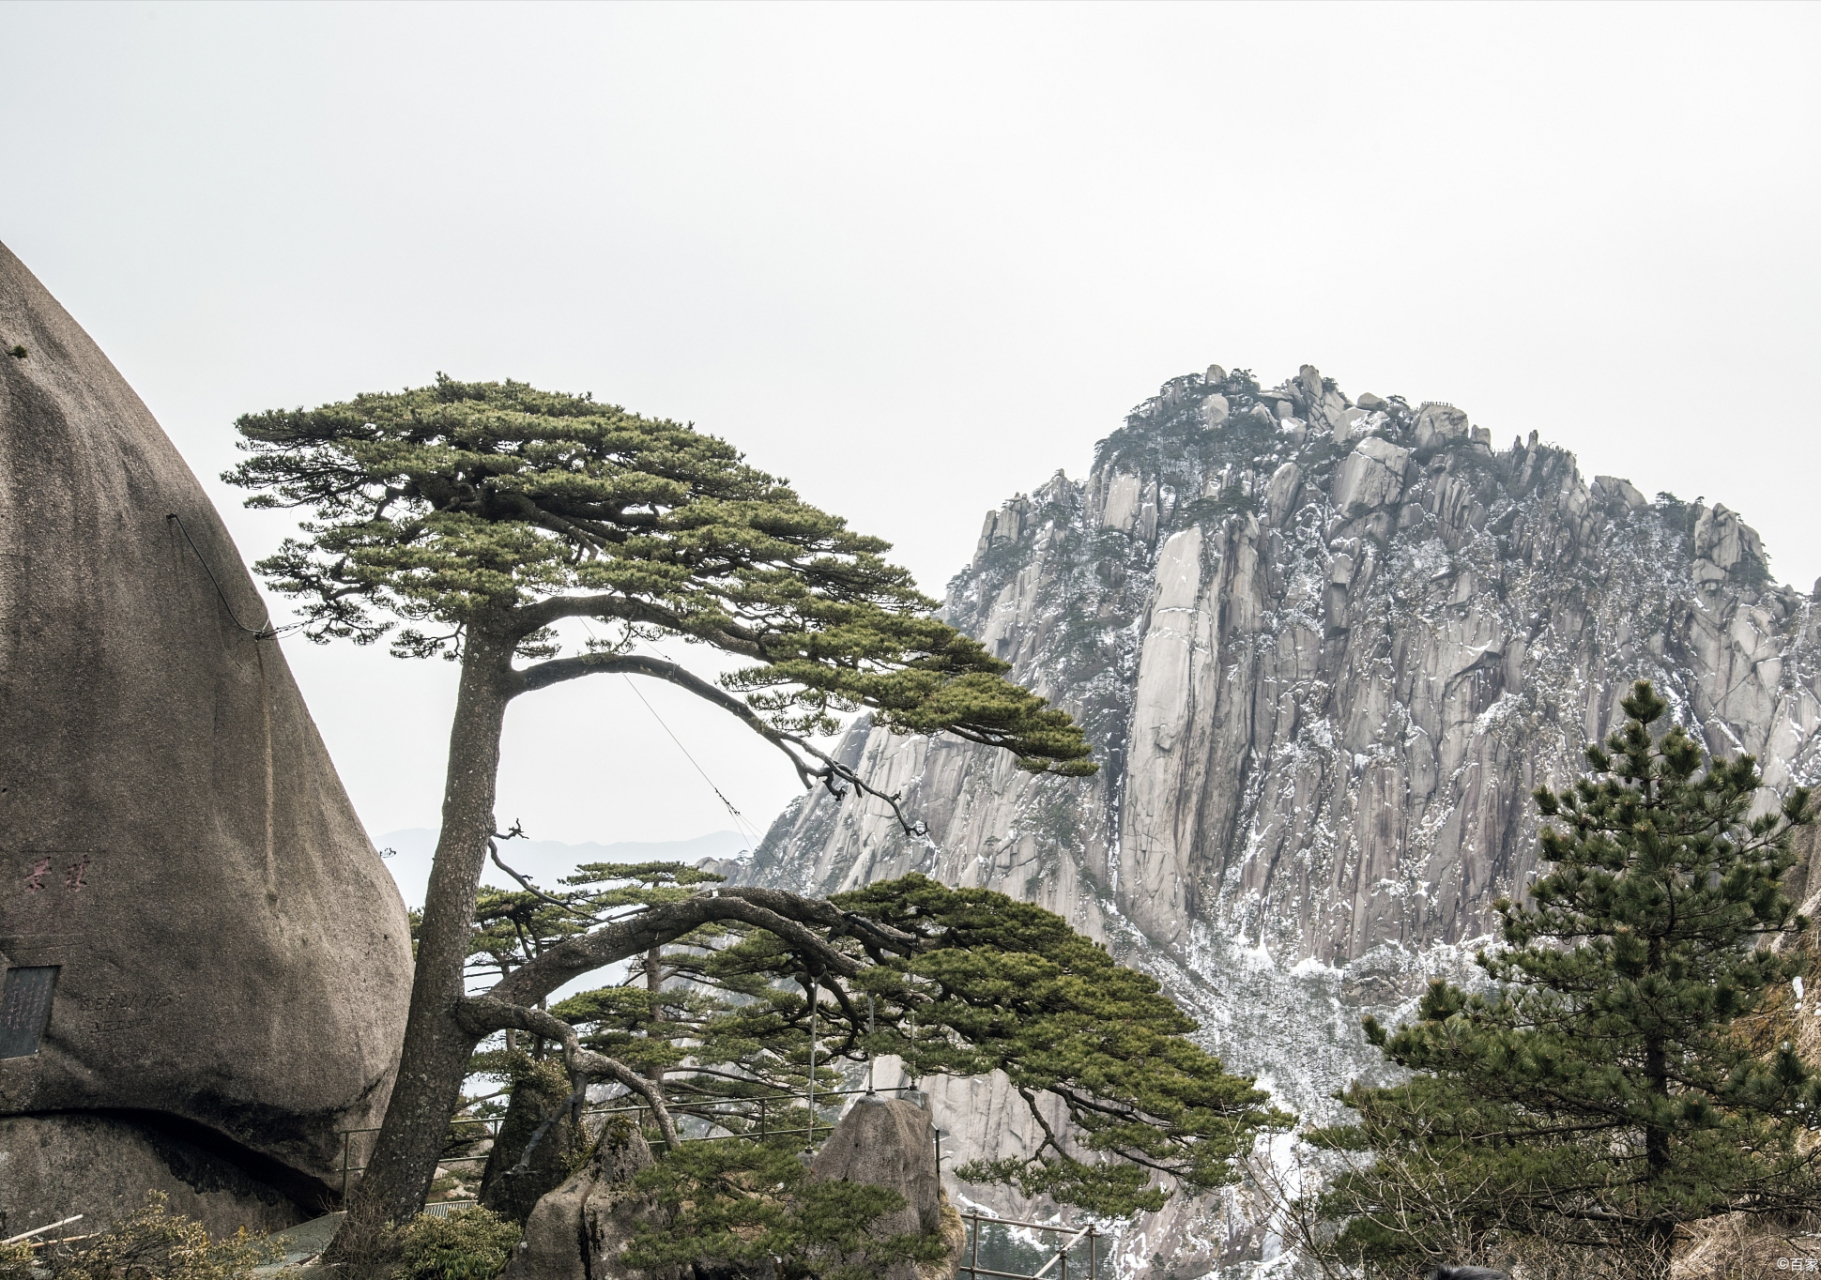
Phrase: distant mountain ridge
[408,854]
[1325,649]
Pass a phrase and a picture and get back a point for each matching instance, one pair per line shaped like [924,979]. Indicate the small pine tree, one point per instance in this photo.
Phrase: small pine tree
[469,1244]
[1602,1092]
[540,1140]
[754,1208]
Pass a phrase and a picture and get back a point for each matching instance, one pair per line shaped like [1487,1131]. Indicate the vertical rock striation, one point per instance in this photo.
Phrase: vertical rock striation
[1325,649]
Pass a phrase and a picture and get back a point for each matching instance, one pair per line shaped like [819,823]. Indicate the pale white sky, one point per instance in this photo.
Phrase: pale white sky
[916,258]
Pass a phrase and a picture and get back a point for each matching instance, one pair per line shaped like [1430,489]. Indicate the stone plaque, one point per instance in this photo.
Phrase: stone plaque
[25,1009]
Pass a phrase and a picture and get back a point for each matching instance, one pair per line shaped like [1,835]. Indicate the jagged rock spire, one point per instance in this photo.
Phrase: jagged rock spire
[1324,649]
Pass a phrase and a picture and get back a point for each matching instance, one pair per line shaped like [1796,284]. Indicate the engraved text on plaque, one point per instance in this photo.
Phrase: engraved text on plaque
[25,1009]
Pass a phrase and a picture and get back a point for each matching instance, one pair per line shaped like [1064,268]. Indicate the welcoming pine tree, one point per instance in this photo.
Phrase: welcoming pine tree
[487,517]
[1602,1094]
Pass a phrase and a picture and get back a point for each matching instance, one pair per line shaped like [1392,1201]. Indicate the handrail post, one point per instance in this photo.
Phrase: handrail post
[761,1117]
[347,1140]
[871,1030]
[1093,1234]
[973,1263]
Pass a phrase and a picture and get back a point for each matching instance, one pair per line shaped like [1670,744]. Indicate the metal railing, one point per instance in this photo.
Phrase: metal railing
[708,1109]
[1059,1261]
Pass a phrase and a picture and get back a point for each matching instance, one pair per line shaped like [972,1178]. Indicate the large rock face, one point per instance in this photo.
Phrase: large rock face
[199,938]
[100,1166]
[1325,655]
[887,1142]
[890,1143]
[580,1230]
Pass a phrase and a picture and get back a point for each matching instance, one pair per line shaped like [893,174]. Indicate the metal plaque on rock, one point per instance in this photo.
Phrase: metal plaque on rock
[25,1008]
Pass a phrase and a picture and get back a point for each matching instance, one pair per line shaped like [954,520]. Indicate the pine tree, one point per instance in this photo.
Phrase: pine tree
[485,516]
[736,1015]
[1005,986]
[539,1137]
[1602,1091]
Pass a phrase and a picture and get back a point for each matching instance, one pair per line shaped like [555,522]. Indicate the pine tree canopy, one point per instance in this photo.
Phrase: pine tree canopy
[1006,986]
[1130,1107]
[1602,1089]
[492,508]
[485,516]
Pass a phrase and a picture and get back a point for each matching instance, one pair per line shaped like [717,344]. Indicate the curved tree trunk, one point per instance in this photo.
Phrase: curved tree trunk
[434,1059]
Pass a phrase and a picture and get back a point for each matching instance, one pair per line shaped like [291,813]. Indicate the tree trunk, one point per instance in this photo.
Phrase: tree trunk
[654,984]
[1661,1232]
[434,1059]
[1662,1244]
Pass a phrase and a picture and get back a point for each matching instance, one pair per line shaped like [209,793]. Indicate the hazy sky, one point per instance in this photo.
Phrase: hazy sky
[916,258]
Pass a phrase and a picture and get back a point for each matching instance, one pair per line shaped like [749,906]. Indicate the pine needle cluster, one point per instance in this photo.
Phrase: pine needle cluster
[467,508]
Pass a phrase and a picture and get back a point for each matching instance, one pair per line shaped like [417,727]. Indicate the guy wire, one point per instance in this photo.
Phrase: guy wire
[268,631]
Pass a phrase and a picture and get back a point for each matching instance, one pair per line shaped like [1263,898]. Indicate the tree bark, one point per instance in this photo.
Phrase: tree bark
[1661,1230]
[654,986]
[434,1059]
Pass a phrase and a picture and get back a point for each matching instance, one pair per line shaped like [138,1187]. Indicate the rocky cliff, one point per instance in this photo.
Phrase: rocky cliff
[1325,648]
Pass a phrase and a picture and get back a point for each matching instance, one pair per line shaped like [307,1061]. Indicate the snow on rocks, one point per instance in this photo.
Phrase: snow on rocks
[1322,675]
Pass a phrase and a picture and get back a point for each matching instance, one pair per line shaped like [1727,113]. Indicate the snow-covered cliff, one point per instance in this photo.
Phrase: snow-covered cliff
[1325,650]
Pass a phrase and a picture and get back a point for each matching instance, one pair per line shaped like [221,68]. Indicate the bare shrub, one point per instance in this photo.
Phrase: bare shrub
[153,1244]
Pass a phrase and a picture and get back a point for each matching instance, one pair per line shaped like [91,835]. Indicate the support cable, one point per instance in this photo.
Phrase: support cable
[265,632]
[746,829]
